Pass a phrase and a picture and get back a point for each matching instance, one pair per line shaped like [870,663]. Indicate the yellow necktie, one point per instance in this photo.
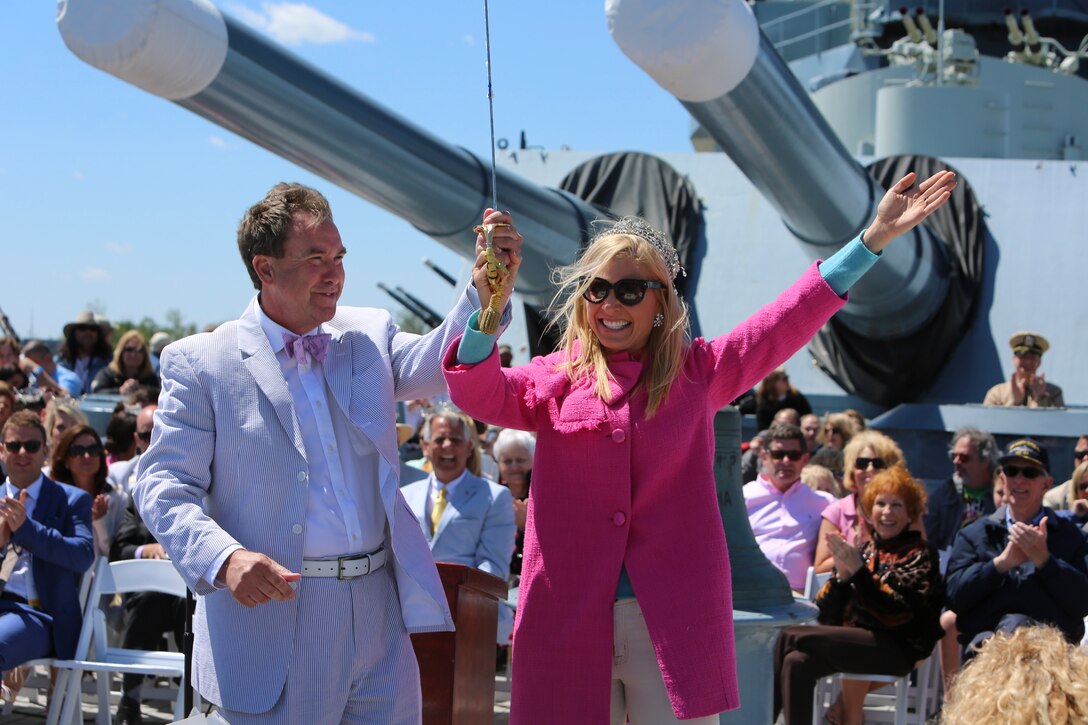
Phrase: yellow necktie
[439,508]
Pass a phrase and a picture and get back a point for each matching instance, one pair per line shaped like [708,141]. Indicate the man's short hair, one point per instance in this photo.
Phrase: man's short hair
[984,444]
[264,227]
[785,432]
[24,419]
[468,426]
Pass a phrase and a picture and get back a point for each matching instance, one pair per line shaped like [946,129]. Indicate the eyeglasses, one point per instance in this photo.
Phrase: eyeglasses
[86,328]
[863,463]
[792,455]
[1079,455]
[131,349]
[75,451]
[144,435]
[28,446]
[834,431]
[1029,472]
[1082,486]
[629,292]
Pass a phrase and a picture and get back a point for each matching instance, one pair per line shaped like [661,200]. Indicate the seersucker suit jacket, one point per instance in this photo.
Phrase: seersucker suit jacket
[227,465]
[477,528]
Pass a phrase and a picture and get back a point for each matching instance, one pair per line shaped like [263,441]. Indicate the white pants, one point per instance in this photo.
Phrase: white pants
[353,660]
[638,689]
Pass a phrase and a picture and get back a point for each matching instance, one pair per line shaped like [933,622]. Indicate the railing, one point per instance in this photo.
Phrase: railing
[809,23]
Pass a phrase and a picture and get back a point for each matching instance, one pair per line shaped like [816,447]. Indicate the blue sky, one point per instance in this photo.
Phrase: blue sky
[121,200]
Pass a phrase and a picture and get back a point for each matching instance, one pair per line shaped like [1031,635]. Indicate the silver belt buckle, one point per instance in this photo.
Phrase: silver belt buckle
[340,565]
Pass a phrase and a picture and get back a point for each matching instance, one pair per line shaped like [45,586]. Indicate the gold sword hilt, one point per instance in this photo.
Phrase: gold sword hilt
[496,273]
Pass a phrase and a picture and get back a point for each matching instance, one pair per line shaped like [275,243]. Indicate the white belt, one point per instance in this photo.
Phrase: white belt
[345,567]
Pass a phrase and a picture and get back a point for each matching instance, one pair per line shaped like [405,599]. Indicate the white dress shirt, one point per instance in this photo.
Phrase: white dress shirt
[344,510]
[22,578]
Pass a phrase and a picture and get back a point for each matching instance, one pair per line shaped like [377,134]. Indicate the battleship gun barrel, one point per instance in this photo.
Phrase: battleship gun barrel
[911,27]
[927,27]
[713,58]
[190,53]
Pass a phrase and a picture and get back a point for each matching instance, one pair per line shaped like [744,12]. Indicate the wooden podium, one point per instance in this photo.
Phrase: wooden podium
[457,669]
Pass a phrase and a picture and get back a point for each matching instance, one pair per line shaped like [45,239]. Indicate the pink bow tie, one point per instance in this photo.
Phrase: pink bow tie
[317,345]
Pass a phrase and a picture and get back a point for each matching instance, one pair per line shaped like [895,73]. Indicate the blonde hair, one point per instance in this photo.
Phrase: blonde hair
[882,445]
[117,364]
[813,475]
[1043,680]
[68,406]
[1080,475]
[668,344]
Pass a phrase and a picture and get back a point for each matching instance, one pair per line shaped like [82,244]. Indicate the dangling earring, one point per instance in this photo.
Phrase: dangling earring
[659,320]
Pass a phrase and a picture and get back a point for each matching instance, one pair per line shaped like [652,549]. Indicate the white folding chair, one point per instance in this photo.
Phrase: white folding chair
[906,704]
[40,681]
[94,653]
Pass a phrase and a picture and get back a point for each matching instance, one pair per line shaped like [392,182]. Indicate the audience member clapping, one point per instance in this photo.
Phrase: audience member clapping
[84,350]
[130,367]
[514,450]
[1021,565]
[866,455]
[878,613]
[1029,677]
[776,393]
[79,459]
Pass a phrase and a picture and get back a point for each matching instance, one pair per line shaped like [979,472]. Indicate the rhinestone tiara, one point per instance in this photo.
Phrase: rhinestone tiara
[639,228]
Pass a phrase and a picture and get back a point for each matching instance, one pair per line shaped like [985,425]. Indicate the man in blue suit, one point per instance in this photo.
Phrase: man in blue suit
[271,482]
[466,519]
[46,542]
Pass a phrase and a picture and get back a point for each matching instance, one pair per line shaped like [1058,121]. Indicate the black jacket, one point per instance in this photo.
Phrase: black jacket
[1055,594]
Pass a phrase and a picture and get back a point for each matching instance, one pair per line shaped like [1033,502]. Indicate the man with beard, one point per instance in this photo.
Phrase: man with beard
[968,494]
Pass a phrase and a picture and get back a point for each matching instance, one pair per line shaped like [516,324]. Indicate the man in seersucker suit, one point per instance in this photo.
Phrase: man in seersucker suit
[271,481]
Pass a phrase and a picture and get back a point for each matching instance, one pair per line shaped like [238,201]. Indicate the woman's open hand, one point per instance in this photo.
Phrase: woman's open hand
[904,207]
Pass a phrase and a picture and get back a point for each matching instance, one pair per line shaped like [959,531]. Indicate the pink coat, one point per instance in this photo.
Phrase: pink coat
[612,488]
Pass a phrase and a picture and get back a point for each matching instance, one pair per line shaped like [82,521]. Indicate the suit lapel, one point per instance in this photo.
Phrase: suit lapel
[465,492]
[337,367]
[262,364]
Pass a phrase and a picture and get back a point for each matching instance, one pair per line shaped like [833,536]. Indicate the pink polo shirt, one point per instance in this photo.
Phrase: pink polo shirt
[786,525]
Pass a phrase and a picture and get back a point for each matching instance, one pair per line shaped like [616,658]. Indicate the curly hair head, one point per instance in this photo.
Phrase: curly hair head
[1043,680]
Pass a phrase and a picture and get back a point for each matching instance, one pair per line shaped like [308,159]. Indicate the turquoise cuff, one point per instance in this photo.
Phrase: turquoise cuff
[846,266]
[475,346]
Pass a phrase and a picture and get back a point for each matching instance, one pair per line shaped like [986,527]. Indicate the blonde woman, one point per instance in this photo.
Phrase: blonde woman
[836,431]
[623,498]
[866,454]
[131,366]
[1032,676]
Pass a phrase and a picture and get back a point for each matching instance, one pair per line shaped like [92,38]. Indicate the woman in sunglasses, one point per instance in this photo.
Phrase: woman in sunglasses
[879,612]
[130,367]
[79,459]
[625,568]
[866,454]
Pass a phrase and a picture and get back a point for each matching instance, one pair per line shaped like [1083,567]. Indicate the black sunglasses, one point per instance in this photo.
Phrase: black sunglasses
[28,446]
[1082,486]
[863,463]
[87,328]
[144,435]
[1025,471]
[132,349]
[76,451]
[629,292]
[1080,454]
[792,455]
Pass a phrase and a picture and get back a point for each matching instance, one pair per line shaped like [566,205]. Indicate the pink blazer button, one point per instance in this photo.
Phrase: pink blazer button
[618,436]
[619,518]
